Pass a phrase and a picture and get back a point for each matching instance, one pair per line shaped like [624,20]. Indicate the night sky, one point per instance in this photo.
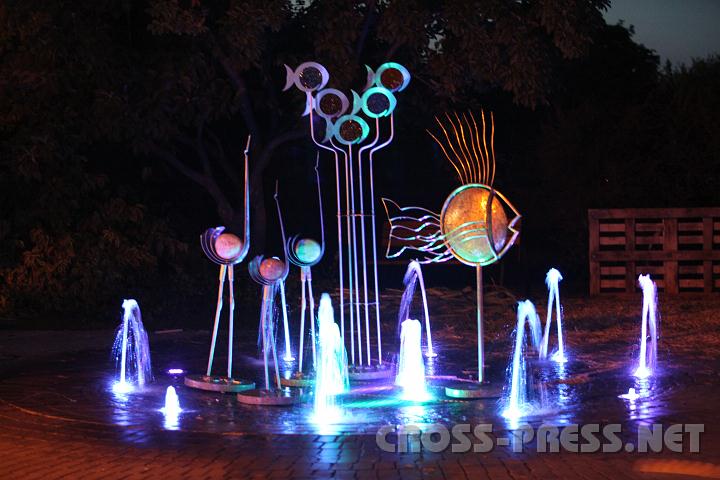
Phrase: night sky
[678,30]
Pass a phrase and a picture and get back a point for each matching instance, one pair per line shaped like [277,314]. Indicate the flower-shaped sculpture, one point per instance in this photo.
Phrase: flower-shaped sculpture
[351,129]
[477,224]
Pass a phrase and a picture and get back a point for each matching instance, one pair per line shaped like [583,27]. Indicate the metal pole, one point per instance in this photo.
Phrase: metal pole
[288,353]
[339,229]
[481,362]
[312,317]
[301,352]
[271,336]
[218,309]
[263,327]
[355,257]
[374,234]
[364,258]
[231,278]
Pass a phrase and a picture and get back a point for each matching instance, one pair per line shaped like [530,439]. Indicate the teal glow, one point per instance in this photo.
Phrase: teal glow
[382,91]
[393,65]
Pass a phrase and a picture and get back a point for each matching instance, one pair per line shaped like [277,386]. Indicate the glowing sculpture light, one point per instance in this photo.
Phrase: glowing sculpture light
[473,225]
[345,134]
[226,250]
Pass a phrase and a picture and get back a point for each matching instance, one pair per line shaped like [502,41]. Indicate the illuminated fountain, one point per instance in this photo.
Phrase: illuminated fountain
[131,349]
[413,276]
[477,224]
[411,369]
[172,409]
[340,128]
[516,403]
[552,279]
[648,354]
[332,367]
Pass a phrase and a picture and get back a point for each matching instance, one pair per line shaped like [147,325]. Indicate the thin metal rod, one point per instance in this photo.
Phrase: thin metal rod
[559,322]
[263,326]
[312,317]
[364,257]
[231,288]
[301,352]
[218,309]
[288,353]
[339,228]
[356,282]
[430,351]
[374,234]
[271,336]
[350,259]
[481,362]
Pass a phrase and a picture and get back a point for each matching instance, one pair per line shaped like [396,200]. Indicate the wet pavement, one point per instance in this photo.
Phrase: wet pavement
[61,419]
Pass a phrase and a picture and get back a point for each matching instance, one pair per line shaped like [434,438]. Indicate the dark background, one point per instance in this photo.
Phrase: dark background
[122,125]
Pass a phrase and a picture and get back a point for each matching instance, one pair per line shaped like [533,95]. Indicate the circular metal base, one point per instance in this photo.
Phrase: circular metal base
[370,372]
[298,379]
[261,396]
[469,390]
[218,384]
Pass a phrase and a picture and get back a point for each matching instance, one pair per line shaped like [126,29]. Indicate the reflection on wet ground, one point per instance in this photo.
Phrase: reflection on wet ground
[78,389]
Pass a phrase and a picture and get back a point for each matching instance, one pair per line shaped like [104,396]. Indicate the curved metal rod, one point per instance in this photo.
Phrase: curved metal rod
[361,194]
[246,207]
[374,233]
[339,225]
[352,242]
[293,241]
[286,263]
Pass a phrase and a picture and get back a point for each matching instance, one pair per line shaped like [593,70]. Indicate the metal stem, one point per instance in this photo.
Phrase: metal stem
[301,352]
[231,288]
[374,234]
[339,228]
[218,309]
[356,282]
[312,317]
[263,326]
[481,362]
[288,353]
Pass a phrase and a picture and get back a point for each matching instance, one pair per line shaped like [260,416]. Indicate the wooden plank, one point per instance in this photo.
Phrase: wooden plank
[707,246]
[649,240]
[649,227]
[630,247]
[607,283]
[617,270]
[691,283]
[691,269]
[593,247]
[685,226]
[670,244]
[690,239]
[612,227]
[653,270]
[612,241]
[716,269]
[654,213]
[654,256]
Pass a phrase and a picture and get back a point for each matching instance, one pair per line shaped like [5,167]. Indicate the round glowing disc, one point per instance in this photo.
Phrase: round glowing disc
[272,268]
[464,223]
[228,246]
[307,250]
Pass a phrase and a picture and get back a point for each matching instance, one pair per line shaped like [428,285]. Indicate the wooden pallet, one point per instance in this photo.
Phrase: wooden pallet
[678,247]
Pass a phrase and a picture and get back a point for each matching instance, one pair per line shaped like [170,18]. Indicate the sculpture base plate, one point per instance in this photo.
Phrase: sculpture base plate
[298,379]
[370,372]
[214,383]
[261,396]
[472,390]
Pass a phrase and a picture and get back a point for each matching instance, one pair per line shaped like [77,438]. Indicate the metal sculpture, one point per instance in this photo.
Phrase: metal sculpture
[305,253]
[227,250]
[270,273]
[473,225]
[345,135]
